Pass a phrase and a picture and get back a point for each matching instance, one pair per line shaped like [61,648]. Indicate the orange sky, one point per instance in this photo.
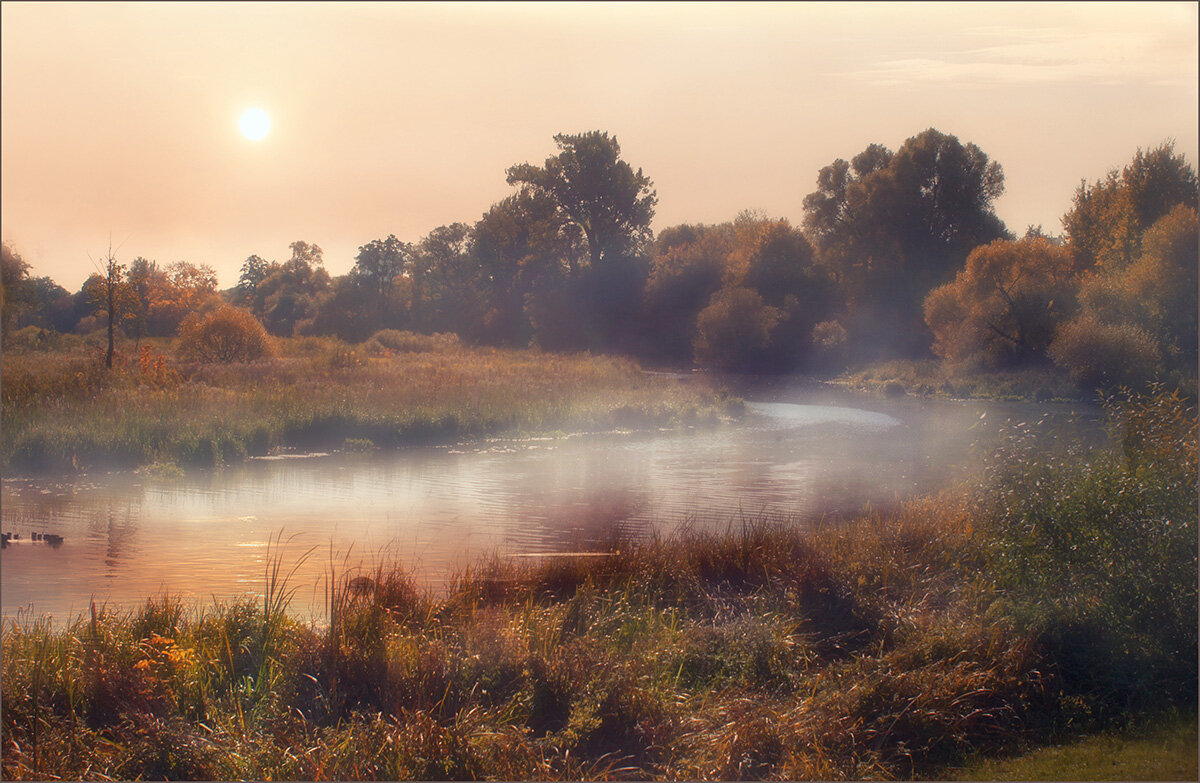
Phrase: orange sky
[396,118]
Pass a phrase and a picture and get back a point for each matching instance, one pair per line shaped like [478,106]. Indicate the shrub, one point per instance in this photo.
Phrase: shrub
[1098,549]
[1105,355]
[734,332]
[227,334]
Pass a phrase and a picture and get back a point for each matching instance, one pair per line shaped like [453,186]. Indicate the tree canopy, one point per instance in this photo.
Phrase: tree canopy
[595,191]
[890,226]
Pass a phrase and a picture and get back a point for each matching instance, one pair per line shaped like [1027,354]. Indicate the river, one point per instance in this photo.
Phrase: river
[802,451]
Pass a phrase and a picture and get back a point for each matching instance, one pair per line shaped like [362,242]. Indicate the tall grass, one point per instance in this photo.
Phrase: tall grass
[63,411]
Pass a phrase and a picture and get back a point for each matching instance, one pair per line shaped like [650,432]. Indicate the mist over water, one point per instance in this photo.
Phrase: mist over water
[801,452]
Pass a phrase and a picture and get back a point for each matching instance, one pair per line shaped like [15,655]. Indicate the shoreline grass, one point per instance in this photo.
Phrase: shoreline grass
[62,412]
[865,650]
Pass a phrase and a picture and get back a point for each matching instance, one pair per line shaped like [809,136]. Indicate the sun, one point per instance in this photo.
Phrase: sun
[254,124]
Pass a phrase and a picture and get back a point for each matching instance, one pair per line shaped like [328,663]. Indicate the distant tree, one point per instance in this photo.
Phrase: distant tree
[1108,218]
[593,189]
[225,334]
[181,288]
[379,263]
[687,269]
[519,241]
[450,296]
[145,281]
[50,306]
[14,299]
[289,294]
[891,226]
[111,297]
[765,256]
[1004,305]
[255,269]
[374,280]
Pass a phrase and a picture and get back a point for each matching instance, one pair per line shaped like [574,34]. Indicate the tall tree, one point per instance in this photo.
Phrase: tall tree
[891,226]
[596,191]
[14,274]
[1108,218]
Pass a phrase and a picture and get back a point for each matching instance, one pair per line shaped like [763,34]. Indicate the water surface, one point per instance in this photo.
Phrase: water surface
[803,451]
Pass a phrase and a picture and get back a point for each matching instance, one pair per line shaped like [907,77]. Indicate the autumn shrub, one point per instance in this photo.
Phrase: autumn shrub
[1101,354]
[733,333]
[224,335]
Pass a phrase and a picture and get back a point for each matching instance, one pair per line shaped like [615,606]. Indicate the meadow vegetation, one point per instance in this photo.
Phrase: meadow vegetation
[984,620]
[63,410]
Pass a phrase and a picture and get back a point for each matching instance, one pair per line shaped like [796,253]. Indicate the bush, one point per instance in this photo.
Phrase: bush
[227,334]
[733,333]
[1098,549]
[1105,355]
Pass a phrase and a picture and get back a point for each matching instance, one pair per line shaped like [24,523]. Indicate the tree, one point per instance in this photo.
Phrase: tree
[454,281]
[1146,310]
[733,333]
[14,274]
[596,191]
[255,269]
[179,289]
[1108,218]
[145,280]
[767,257]
[517,242]
[890,227]
[374,285]
[109,294]
[289,294]
[1004,304]
[687,269]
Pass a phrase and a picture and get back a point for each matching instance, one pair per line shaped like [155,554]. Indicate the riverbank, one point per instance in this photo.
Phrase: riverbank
[64,412]
[931,378]
[973,623]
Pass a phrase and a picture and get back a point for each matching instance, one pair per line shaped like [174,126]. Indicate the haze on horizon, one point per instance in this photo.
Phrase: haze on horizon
[122,119]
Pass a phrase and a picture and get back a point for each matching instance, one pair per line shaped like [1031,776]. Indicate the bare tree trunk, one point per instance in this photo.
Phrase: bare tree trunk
[111,294]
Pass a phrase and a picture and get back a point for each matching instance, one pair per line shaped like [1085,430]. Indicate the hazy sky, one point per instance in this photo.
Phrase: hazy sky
[396,118]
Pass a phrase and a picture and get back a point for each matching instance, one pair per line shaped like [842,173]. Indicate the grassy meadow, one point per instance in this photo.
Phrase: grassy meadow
[985,621]
[63,411]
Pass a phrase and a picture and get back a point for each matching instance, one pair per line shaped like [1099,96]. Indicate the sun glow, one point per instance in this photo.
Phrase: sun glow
[254,124]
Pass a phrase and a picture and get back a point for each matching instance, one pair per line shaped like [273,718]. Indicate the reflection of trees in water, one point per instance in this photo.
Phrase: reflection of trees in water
[115,523]
[597,522]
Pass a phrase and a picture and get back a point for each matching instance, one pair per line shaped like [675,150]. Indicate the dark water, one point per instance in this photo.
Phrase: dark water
[801,451]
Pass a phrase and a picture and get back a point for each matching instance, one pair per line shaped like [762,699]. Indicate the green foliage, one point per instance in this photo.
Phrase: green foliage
[1100,551]
[890,227]
[596,191]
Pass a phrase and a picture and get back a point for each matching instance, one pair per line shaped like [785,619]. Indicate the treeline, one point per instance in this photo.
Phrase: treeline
[900,254]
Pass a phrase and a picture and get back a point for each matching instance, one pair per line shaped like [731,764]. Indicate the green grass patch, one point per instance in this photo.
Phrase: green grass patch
[1165,750]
